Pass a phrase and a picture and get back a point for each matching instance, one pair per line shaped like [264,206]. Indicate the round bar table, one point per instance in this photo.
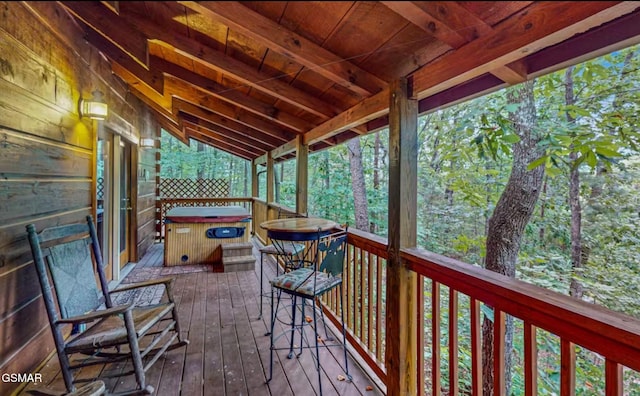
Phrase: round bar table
[299,229]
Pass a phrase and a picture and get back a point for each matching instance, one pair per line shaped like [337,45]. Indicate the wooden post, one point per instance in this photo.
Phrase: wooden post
[302,175]
[254,179]
[271,180]
[402,321]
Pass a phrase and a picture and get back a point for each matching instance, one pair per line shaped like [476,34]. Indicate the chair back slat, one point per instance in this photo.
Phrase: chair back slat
[71,268]
[332,249]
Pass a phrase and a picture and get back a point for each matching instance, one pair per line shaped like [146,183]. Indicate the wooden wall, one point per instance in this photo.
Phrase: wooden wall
[47,160]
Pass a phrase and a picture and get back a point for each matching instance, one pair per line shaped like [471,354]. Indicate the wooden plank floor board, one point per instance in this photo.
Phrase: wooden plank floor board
[228,353]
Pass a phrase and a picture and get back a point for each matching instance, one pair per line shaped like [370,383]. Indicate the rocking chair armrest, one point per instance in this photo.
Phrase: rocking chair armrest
[101,314]
[152,282]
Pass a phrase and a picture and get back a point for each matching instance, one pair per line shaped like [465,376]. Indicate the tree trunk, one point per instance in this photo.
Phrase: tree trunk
[373,225]
[357,184]
[575,288]
[510,216]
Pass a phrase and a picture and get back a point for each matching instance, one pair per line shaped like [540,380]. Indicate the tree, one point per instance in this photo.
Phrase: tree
[358,185]
[512,213]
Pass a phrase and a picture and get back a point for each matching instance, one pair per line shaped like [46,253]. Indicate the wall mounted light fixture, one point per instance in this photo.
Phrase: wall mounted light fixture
[147,143]
[96,108]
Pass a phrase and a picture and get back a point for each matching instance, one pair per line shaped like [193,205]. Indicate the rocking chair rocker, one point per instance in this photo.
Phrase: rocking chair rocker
[65,258]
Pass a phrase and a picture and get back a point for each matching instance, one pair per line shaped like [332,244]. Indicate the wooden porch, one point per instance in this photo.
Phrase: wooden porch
[228,353]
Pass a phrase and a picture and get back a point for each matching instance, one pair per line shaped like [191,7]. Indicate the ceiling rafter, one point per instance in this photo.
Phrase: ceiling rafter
[223,125]
[534,28]
[234,140]
[269,33]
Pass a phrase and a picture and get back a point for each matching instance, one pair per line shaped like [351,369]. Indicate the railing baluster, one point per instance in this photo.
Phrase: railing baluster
[613,378]
[476,348]
[499,319]
[379,307]
[359,294]
[370,280]
[530,360]
[567,368]
[435,338]
[421,346]
[453,342]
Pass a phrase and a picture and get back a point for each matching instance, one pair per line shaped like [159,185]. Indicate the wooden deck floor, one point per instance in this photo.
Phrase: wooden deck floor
[228,353]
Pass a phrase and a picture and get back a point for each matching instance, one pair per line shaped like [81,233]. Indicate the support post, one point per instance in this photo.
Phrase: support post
[271,179]
[302,175]
[402,318]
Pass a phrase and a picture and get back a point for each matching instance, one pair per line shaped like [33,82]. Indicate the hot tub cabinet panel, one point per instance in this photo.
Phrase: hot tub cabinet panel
[194,235]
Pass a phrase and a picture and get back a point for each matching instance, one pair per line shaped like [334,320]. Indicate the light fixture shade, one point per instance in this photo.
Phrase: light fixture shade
[147,143]
[96,108]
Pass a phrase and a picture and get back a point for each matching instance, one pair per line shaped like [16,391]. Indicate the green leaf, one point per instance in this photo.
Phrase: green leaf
[536,163]
[511,138]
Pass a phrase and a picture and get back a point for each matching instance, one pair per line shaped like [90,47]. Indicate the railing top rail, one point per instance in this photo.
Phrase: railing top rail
[612,334]
[369,242]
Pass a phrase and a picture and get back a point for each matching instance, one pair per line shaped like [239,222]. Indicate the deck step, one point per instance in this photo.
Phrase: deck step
[239,263]
[237,249]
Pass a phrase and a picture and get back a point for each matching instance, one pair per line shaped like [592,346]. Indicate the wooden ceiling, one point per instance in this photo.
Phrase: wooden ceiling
[250,77]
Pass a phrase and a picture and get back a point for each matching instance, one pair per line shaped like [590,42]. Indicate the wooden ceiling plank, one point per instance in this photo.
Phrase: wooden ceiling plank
[365,111]
[238,17]
[240,71]
[534,28]
[453,25]
[102,20]
[414,14]
[230,95]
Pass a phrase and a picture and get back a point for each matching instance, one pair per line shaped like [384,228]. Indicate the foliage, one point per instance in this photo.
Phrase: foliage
[464,161]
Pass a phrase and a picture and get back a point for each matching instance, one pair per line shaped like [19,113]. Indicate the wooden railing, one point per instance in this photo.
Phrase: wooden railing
[364,288]
[452,293]
[613,336]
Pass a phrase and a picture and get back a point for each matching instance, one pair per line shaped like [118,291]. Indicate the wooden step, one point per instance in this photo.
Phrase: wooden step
[237,249]
[239,263]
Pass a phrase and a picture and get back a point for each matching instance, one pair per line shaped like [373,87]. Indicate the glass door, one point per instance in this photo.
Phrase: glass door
[104,171]
[125,201]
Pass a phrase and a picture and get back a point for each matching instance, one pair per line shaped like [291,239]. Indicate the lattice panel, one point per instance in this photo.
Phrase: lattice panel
[193,188]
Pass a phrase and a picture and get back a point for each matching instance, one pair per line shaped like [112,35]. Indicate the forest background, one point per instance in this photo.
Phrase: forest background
[570,139]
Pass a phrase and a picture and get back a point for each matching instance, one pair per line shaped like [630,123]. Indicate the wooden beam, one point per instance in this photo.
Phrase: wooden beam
[152,78]
[365,111]
[270,179]
[223,125]
[121,34]
[269,33]
[173,129]
[230,95]
[536,27]
[261,160]
[285,149]
[247,76]
[191,94]
[229,137]
[219,143]
[302,176]
[211,58]
[449,22]
[401,335]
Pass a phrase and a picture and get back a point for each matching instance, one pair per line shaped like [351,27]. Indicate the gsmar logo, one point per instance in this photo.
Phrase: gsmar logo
[21,377]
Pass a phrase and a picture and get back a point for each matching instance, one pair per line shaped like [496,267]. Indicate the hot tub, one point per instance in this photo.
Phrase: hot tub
[193,235]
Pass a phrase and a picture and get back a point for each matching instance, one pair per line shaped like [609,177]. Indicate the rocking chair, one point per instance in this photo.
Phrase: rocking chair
[102,333]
